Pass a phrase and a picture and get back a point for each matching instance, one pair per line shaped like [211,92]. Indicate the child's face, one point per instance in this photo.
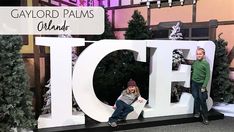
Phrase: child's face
[199,54]
[132,89]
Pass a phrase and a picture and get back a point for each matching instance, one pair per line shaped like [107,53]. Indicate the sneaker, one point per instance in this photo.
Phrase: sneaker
[112,124]
[196,115]
[206,122]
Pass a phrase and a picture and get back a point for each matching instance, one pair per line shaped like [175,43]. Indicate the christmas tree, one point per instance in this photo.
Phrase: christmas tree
[137,28]
[175,32]
[222,90]
[15,95]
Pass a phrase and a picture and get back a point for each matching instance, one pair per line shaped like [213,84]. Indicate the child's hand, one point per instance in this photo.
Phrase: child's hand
[203,89]
[114,106]
[140,99]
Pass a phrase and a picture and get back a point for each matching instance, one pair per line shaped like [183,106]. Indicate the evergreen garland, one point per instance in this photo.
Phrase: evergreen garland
[15,96]
[222,90]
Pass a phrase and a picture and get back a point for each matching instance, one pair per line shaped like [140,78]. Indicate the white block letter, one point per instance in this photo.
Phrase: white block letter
[61,73]
[84,71]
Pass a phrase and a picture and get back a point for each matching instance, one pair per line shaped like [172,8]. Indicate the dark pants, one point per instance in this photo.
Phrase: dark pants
[199,100]
[121,111]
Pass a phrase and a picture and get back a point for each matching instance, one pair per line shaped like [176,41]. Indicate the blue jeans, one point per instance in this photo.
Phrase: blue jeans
[199,100]
[121,111]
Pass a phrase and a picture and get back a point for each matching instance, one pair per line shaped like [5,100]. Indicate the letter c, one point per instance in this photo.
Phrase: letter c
[84,70]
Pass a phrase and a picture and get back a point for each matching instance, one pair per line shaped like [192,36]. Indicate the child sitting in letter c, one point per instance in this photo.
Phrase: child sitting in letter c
[123,103]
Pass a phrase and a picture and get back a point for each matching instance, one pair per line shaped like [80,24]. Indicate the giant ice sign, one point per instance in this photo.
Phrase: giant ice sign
[161,76]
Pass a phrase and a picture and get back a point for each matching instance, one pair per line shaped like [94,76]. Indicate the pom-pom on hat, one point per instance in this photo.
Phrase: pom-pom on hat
[131,83]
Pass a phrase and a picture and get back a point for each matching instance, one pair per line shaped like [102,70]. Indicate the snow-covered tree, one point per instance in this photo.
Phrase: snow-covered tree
[175,32]
[178,56]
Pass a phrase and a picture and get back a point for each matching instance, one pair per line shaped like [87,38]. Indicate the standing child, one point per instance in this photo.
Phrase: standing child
[200,79]
[123,103]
